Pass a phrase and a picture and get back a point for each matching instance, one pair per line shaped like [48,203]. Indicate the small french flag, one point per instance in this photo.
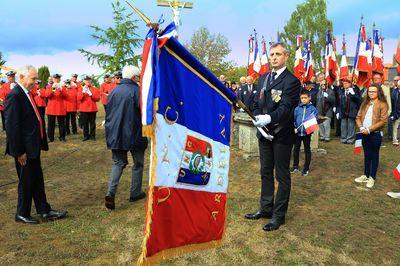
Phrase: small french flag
[358,144]
[311,124]
[396,173]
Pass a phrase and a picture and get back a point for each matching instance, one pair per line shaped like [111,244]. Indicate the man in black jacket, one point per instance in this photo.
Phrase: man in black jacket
[247,92]
[395,114]
[26,136]
[278,95]
[124,133]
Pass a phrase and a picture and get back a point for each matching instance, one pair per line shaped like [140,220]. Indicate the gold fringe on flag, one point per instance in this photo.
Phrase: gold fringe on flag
[149,213]
[148,130]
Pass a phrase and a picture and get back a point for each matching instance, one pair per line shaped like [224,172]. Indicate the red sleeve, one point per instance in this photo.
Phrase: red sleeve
[80,94]
[95,94]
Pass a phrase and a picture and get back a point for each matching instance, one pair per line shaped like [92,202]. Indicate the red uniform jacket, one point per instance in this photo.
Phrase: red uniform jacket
[4,90]
[88,103]
[55,103]
[71,99]
[105,89]
[39,95]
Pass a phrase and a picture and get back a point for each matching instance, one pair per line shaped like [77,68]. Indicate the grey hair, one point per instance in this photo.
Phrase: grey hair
[130,71]
[281,44]
[24,71]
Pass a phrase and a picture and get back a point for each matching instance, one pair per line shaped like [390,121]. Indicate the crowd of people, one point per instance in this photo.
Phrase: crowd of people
[69,103]
[280,102]
[341,106]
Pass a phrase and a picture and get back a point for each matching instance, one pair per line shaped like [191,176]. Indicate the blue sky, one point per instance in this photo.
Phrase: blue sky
[49,32]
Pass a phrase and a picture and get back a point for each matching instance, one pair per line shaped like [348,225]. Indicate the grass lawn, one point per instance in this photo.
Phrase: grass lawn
[331,220]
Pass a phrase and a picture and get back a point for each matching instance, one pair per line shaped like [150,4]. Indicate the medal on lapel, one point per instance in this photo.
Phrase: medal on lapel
[276,95]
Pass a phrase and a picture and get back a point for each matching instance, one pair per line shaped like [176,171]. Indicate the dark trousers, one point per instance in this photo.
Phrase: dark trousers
[71,119]
[42,112]
[275,156]
[307,151]
[371,144]
[31,185]
[338,127]
[88,124]
[51,120]
[3,120]
[390,129]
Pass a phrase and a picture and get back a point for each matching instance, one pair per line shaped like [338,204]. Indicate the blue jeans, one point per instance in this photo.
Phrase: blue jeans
[120,158]
[371,144]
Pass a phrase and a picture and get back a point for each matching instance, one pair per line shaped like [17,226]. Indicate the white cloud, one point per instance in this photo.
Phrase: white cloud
[65,63]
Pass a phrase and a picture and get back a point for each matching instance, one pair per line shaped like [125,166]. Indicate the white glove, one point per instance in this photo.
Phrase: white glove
[325,95]
[262,120]
[241,110]
[337,116]
[38,92]
[334,109]
[89,92]
[264,134]
[392,118]
[362,128]
[351,91]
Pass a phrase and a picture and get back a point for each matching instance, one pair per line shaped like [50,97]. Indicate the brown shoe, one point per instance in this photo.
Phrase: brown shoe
[109,202]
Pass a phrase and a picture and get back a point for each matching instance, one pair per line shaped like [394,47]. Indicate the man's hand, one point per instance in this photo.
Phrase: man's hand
[351,91]
[22,159]
[365,131]
[262,120]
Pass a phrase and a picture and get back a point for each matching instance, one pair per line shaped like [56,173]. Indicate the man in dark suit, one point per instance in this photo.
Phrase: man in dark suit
[278,96]
[26,136]
[247,91]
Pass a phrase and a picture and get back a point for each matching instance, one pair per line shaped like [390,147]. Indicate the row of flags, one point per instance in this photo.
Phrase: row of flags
[258,60]
[368,58]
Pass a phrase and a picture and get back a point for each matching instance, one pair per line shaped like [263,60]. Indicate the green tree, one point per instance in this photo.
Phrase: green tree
[43,75]
[311,21]
[234,73]
[211,50]
[2,62]
[121,39]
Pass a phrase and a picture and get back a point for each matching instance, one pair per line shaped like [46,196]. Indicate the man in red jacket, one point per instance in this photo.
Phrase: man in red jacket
[5,89]
[87,98]
[55,108]
[105,88]
[71,105]
[39,96]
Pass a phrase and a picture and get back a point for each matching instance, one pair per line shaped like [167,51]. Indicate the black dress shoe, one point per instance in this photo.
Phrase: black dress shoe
[274,224]
[140,196]
[51,140]
[258,215]
[109,202]
[85,139]
[25,220]
[62,139]
[54,215]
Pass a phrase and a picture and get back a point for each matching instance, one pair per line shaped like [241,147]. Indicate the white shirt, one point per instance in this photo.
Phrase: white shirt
[278,72]
[368,117]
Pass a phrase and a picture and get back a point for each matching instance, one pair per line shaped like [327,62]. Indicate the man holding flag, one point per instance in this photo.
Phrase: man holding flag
[278,96]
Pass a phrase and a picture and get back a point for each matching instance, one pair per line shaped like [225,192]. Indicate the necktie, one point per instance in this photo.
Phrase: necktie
[37,115]
[273,75]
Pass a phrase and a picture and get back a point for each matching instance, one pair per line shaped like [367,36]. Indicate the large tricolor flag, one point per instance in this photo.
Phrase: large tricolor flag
[264,58]
[299,62]
[309,62]
[310,124]
[330,64]
[344,68]
[362,59]
[396,172]
[190,134]
[377,53]
[358,144]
